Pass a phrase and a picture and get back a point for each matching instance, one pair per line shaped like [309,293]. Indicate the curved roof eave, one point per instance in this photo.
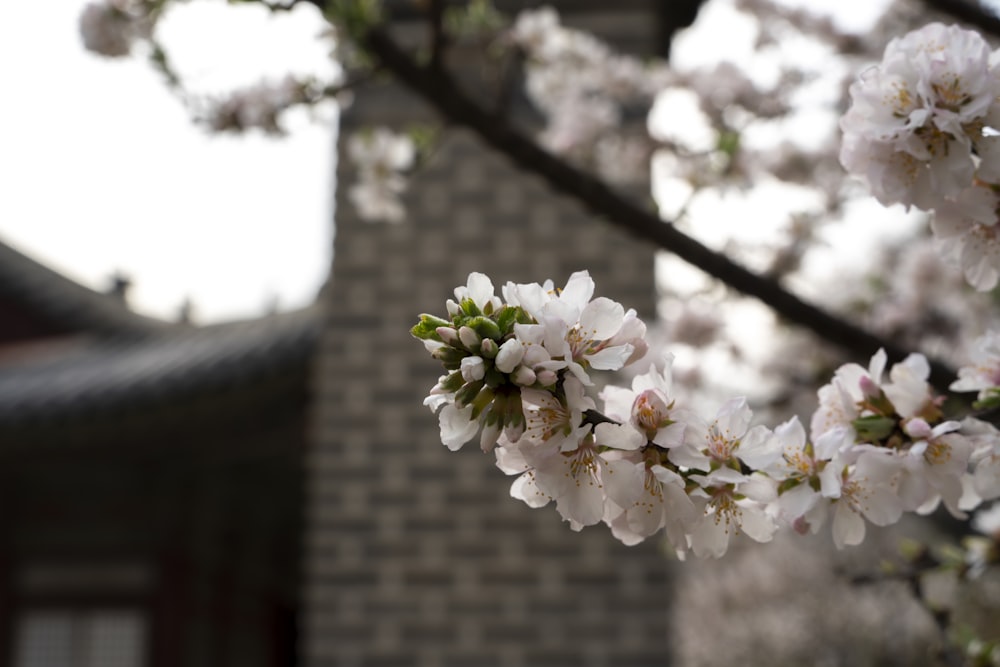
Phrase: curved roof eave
[66,302]
[107,376]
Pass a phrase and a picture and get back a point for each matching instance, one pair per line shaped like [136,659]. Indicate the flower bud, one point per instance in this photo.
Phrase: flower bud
[470,339]
[524,376]
[448,335]
[473,369]
[509,356]
[546,378]
[489,348]
[868,387]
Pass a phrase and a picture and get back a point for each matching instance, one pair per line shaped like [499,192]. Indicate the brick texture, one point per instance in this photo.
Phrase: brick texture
[417,556]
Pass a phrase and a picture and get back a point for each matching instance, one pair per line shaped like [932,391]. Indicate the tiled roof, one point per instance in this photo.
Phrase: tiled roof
[98,377]
[64,301]
[112,361]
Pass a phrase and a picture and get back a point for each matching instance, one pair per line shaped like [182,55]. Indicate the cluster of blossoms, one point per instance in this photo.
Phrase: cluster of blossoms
[380,157]
[517,373]
[110,27]
[258,106]
[584,88]
[923,130]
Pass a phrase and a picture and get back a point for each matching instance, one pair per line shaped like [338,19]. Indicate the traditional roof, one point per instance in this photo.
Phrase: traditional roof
[108,363]
[118,374]
[64,305]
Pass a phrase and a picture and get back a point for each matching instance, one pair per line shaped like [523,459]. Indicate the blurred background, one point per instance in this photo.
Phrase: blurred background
[212,444]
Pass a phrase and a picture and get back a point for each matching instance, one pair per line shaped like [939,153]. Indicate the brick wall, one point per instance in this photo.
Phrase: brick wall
[416,555]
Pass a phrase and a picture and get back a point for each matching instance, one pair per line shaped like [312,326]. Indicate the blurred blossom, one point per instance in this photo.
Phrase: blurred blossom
[110,27]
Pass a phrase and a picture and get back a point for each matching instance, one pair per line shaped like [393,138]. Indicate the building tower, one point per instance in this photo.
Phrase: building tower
[418,556]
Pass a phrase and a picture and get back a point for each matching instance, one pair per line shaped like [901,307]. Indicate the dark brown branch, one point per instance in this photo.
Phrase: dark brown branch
[438,36]
[439,89]
[968,11]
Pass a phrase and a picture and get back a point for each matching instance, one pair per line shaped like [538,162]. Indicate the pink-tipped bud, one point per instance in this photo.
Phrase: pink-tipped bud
[448,335]
[489,348]
[546,378]
[523,376]
[470,339]
[868,387]
[917,428]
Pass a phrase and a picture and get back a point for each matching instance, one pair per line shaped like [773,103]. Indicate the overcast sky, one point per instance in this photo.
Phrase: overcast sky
[103,171]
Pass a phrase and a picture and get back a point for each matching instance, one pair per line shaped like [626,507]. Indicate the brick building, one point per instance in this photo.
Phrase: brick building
[415,555]
[273,492]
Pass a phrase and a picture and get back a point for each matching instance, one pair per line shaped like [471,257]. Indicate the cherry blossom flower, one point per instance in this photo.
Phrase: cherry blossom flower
[732,503]
[553,423]
[572,475]
[861,491]
[983,374]
[840,399]
[380,156]
[799,472]
[932,468]
[915,117]
[908,388]
[644,497]
[726,441]
[731,500]
[968,235]
[648,407]
[517,374]
[110,27]
[258,106]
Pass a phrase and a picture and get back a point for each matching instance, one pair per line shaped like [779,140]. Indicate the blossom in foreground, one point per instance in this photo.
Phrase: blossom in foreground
[517,372]
[859,491]
[731,500]
[509,373]
[841,399]
[803,474]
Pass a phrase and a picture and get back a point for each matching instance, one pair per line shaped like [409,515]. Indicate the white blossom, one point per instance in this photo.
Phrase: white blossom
[915,117]
[110,27]
[984,372]
[380,157]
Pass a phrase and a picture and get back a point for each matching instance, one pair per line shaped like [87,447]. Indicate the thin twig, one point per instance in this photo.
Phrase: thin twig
[438,88]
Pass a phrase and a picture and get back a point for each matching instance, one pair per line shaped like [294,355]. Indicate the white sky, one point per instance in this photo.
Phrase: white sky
[101,169]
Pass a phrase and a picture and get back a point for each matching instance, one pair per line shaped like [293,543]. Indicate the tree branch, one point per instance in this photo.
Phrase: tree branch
[439,89]
[972,13]
[438,36]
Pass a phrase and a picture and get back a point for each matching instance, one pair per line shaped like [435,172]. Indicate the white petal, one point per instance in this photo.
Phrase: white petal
[757,524]
[611,358]
[602,318]
[509,355]
[619,436]
[578,291]
[480,288]
[524,489]
[457,426]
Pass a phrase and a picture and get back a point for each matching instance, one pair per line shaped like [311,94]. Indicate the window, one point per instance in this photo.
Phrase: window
[80,638]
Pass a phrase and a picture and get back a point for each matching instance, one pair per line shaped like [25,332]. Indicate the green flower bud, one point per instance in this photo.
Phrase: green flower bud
[468,393]
[486,327]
